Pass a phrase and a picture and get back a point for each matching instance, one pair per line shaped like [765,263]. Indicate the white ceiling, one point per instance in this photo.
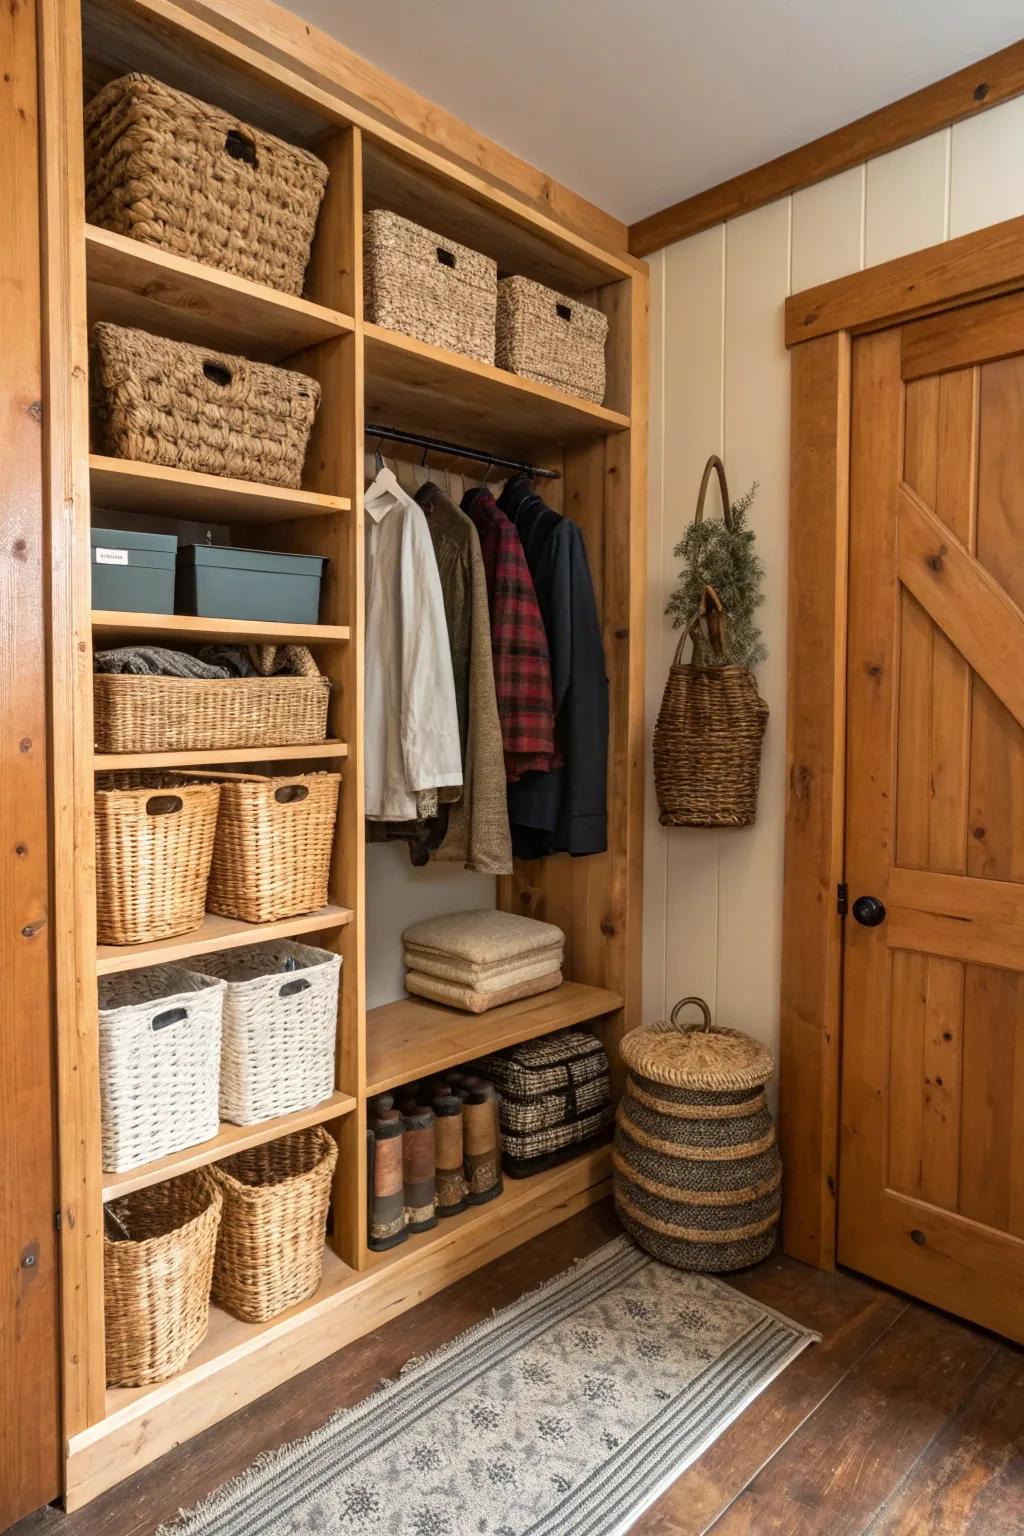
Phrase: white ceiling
[638,103]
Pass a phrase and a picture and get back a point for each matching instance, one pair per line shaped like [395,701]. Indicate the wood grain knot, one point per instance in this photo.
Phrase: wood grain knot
[981,91]
[608,928]
[801,780]
[935,562]
[873,669]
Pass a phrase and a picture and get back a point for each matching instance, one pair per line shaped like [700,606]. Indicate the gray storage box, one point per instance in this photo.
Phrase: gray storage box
[133,572]
[216,582]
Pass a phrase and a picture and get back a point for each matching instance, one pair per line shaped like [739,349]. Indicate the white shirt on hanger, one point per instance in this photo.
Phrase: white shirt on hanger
[411,725]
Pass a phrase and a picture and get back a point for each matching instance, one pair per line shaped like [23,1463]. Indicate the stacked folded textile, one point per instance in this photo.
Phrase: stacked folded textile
[479,960]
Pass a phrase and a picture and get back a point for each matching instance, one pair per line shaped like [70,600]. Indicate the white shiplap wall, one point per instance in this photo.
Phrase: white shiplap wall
[720,384]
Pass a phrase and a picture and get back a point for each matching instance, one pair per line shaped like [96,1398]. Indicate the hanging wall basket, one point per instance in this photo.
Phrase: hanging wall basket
[707,740]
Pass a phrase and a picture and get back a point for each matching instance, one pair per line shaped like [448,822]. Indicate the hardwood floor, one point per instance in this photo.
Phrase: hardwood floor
[902,1421]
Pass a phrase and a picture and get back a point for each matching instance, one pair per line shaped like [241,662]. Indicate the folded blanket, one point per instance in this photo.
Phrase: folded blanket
[156,661]
[485,977]
[469,998]
[211,662]
[484,937]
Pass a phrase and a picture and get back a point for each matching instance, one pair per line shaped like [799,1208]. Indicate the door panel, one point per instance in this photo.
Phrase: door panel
[932,1154]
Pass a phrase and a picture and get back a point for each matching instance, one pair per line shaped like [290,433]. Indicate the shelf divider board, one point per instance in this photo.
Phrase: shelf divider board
[219,757]
[109,623]
[125,485]
[135,284]
[229,1139]
[426,389]
[414,1038]
[215,933]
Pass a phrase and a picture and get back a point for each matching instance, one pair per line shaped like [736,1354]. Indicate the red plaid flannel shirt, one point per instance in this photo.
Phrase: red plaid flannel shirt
[519,642]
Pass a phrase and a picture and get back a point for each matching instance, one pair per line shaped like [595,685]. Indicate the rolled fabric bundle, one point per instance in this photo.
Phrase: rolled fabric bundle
[482,1141]
[449,1176]
[384,1169]
[418,1159]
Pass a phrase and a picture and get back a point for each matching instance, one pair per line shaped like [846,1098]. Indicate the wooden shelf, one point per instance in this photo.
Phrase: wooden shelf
[425,389]
[229,1139]
[214,933]
[414,1038]
[132,283]
[122,485]
[110,623]
[110,762]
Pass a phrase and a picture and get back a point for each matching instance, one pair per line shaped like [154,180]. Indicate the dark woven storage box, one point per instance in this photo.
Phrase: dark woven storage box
[555,1099]
[544,335]
[180,174]
[428,287]
[168,402]
[697,1175]
[158,1248]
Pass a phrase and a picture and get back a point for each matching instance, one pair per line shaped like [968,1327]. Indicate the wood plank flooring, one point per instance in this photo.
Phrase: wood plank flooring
[901,1422]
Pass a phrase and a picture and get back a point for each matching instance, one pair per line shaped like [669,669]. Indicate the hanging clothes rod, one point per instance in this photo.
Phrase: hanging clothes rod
[494,460]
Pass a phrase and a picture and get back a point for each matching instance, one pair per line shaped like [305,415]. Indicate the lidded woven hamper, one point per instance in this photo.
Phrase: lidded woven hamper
[280,1028]
[427,286]
[154,845]
[697,1176]
[546,336]
[187,177]
[160,1039]
[270,1249]
[158,1248]
[272,853]
[166,402]
[555,1099]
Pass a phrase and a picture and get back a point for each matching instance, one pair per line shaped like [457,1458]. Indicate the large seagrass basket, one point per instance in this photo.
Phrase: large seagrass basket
[429,287]
[697,1175]
[549,337]
[185,176]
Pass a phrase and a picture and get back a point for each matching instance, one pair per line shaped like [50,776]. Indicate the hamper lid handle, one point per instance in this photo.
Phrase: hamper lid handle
[702,1005]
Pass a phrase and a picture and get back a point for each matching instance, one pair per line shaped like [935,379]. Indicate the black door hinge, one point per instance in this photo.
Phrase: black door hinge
[842,899]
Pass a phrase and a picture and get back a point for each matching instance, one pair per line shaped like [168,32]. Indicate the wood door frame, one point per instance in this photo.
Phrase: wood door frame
[819,326]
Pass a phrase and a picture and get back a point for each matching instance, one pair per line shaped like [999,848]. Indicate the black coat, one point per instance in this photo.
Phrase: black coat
[564,810]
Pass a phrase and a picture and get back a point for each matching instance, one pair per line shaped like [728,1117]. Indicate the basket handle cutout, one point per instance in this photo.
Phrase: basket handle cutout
[169,1016]
[446,258]
[563,311]
[291,794]
[684,1002]
[239,146]
[714,463]
[163,805]
[217,374]
[300,984]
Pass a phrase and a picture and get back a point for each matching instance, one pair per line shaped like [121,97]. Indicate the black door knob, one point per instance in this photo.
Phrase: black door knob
[869,911]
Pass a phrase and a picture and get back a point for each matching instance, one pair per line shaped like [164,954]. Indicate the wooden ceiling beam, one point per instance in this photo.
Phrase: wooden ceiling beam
[975,89]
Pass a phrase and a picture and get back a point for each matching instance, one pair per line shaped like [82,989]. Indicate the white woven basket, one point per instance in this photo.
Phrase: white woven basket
[428,286]
[280,1028]
[544,335]
[160,1036]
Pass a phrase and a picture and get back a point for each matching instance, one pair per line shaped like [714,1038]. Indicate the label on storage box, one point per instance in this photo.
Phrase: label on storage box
[111,556]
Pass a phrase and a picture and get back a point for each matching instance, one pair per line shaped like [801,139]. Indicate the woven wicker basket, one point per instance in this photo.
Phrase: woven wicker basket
[179,714]
[546,336]
[272,855]
[154,844]
[158,1249]
[428,287]
[160,1041]
[280,1028]
[177,173]
[168,402]
[708,735]
[555,1099]
[270,1250]
[697,1176]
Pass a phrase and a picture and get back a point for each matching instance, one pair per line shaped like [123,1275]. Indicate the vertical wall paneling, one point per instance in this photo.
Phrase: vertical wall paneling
[987,169]
[906,199]
[757,448]
[828,229]
[720,380]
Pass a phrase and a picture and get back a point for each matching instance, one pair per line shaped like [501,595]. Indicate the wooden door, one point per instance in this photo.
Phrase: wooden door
[931,1190]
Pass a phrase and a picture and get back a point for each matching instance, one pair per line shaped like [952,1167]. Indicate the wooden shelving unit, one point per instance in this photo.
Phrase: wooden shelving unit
[414,1038]
[365,373]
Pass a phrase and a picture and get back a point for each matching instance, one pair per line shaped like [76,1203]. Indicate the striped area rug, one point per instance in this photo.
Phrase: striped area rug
[566,1414]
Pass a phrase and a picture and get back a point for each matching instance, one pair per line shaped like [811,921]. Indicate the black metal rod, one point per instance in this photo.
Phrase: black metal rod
[415,440]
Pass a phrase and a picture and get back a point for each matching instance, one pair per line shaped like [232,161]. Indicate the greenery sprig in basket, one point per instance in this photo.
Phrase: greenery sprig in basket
[707,740]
